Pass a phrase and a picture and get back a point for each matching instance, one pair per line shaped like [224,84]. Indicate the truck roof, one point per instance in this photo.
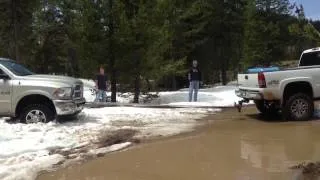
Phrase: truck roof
[312,50]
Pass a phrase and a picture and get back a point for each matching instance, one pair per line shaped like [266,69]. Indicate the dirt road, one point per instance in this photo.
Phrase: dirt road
[233,147]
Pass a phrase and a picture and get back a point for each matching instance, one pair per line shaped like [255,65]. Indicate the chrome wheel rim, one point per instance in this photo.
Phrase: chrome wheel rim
[299,107]
[35,116]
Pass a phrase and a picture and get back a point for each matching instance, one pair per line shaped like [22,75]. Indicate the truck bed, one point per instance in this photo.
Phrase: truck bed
[250,80]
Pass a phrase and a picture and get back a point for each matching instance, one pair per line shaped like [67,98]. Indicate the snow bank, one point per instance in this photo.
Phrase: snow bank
[219,96]
[89,94]
[27,149]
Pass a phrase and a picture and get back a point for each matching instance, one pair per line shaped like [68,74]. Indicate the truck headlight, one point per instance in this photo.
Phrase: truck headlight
[63,93]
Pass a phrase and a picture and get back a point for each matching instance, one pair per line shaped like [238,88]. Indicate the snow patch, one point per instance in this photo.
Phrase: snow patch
[27,166]
[219,96]
[112,148]
[27,149]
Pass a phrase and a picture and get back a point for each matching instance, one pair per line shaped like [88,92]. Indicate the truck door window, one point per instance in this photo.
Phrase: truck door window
[310,59]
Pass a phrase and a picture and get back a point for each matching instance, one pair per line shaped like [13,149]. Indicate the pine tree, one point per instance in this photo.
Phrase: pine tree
[15,30]
[274,6]
[264,42]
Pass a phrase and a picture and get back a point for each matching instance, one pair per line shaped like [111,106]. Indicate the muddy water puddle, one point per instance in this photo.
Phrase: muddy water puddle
[234,146]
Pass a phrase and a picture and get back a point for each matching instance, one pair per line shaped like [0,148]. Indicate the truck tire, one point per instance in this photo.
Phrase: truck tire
[265,108]
[36,113]
[298,107]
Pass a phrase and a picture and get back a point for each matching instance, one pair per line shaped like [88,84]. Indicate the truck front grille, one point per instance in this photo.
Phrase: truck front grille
[78,91]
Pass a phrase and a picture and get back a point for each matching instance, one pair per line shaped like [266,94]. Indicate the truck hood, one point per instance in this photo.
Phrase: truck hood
[62,79]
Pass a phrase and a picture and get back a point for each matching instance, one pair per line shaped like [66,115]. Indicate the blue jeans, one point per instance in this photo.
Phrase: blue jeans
[101,96]
[194,88]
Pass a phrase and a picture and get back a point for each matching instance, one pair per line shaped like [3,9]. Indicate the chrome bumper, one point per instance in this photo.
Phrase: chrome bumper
[69,107]
[251,95]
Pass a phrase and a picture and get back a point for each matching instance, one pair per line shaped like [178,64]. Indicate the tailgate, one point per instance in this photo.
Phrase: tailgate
[248,80]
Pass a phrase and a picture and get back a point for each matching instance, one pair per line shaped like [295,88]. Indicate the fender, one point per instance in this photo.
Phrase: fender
[287,81]
[28,93]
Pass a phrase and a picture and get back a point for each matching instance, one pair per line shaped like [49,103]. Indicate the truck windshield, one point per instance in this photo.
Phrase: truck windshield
[310,59]
[16,68]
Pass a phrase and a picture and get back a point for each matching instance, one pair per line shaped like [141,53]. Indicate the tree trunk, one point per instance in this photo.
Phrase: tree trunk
[113,85]
[148,85]
[174,83]
[223,74]
[47,54]
[112,56]
[73,62]
[223,69]
[136,89]
[15,29]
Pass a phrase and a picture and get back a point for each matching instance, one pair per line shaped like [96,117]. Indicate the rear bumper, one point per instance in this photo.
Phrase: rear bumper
[249,94]
[69,107]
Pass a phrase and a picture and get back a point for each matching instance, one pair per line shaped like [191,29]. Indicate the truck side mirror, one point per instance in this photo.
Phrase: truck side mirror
[4,76]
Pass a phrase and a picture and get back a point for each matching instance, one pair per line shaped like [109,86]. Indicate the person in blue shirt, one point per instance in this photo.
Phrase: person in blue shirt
[194,77]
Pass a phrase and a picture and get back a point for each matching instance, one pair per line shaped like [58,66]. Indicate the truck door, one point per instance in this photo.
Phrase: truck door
[5,94]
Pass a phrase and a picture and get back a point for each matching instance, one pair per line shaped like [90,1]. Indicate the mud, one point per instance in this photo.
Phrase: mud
[233,146]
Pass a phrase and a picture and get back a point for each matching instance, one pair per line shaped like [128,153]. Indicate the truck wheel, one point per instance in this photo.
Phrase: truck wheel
[265,108]
[299,107]
[36,113]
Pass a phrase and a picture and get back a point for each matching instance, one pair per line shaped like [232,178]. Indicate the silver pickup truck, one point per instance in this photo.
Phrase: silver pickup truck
[291,91]
[36,98]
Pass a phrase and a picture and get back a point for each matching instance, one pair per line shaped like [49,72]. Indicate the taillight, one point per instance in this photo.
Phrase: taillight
[262,80]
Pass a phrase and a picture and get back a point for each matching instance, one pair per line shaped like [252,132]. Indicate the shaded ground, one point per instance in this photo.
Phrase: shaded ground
[234,146]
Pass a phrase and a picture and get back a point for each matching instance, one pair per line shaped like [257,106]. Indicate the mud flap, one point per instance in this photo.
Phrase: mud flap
[240,103]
